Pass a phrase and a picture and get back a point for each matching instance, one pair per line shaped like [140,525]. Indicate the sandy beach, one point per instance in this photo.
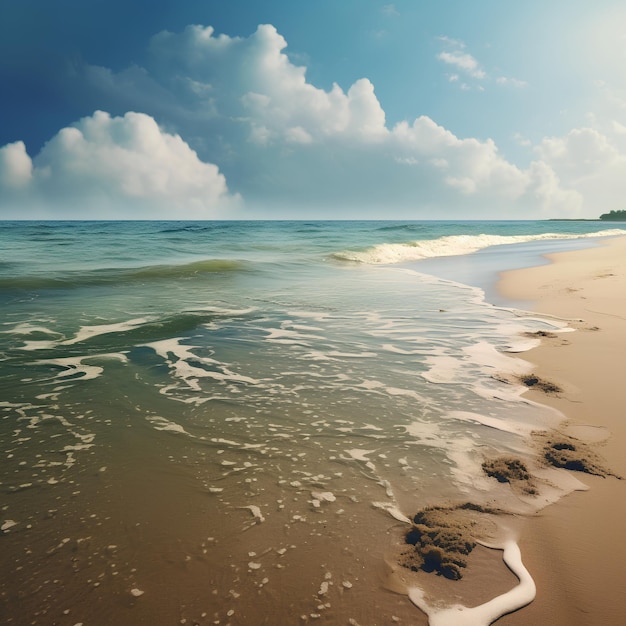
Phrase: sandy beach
[243,443]
[575,550]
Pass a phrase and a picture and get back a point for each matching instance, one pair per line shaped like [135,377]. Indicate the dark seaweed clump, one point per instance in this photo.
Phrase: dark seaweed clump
[441,540]
[569,453]
[510,470]
[539,383]
[541,333]
[568,456]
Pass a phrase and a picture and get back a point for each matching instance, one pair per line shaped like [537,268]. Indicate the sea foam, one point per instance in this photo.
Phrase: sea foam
[487,613]
[453,245]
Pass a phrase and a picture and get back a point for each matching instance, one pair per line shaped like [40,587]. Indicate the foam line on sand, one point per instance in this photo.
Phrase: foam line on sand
[488,612]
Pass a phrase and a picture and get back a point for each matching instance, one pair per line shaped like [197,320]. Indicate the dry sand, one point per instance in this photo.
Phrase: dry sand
[576,549]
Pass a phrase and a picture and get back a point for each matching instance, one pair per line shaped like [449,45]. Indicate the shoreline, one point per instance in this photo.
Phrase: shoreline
[285,495]
[575,549]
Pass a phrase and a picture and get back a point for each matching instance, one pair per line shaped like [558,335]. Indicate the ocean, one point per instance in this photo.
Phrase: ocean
[237,422]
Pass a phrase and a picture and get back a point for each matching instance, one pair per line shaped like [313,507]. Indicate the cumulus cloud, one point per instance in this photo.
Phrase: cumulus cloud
[253,79]
[123,166]
[619,128]
[316,147]
[290,148]
[581,153]
[590,163]
[16,167]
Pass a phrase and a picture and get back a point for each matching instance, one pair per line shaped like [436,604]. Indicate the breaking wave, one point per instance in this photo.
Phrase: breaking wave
[452,245]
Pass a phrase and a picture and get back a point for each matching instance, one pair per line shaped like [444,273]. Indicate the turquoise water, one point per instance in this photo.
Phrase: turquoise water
[219,415]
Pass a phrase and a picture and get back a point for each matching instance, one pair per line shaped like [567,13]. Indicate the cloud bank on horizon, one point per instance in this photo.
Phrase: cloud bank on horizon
[219,126]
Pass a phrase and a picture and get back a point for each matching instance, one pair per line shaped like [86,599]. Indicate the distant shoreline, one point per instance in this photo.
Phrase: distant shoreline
[569,219]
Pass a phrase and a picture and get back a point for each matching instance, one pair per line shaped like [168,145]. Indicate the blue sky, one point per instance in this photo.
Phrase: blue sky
[233,109]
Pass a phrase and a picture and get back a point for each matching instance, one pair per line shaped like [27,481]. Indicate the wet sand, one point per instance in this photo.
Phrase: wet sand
[575,549]
[150,530]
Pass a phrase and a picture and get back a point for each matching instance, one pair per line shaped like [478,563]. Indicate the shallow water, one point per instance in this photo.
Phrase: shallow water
[226,422]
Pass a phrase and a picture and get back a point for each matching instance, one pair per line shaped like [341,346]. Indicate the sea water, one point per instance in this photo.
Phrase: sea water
[234,422]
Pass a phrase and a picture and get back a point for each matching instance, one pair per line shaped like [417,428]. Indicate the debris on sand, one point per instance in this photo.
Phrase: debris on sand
[541,333]
[510,470]
[532,380]
[442,538]
[560,450]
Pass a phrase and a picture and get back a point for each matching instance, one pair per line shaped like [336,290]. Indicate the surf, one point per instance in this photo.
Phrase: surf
[451,245]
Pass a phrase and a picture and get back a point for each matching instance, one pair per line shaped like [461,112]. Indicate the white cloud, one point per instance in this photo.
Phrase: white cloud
[292,149]
[456,56]
[590,163]
[463,61]
[451,42]
[521,140]
[253,79]
[330,145]
[16,167]
[512,82]
[102,166]
[580,154]
[548,193]
[619,128]
[297,134]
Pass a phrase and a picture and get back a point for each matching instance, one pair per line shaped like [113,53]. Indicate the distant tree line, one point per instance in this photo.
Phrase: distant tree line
[614,216]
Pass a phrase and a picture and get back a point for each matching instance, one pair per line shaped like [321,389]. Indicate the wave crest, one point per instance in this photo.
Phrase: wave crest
[451,245]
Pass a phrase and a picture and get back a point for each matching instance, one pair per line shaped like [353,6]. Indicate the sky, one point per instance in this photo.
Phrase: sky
[312,109]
